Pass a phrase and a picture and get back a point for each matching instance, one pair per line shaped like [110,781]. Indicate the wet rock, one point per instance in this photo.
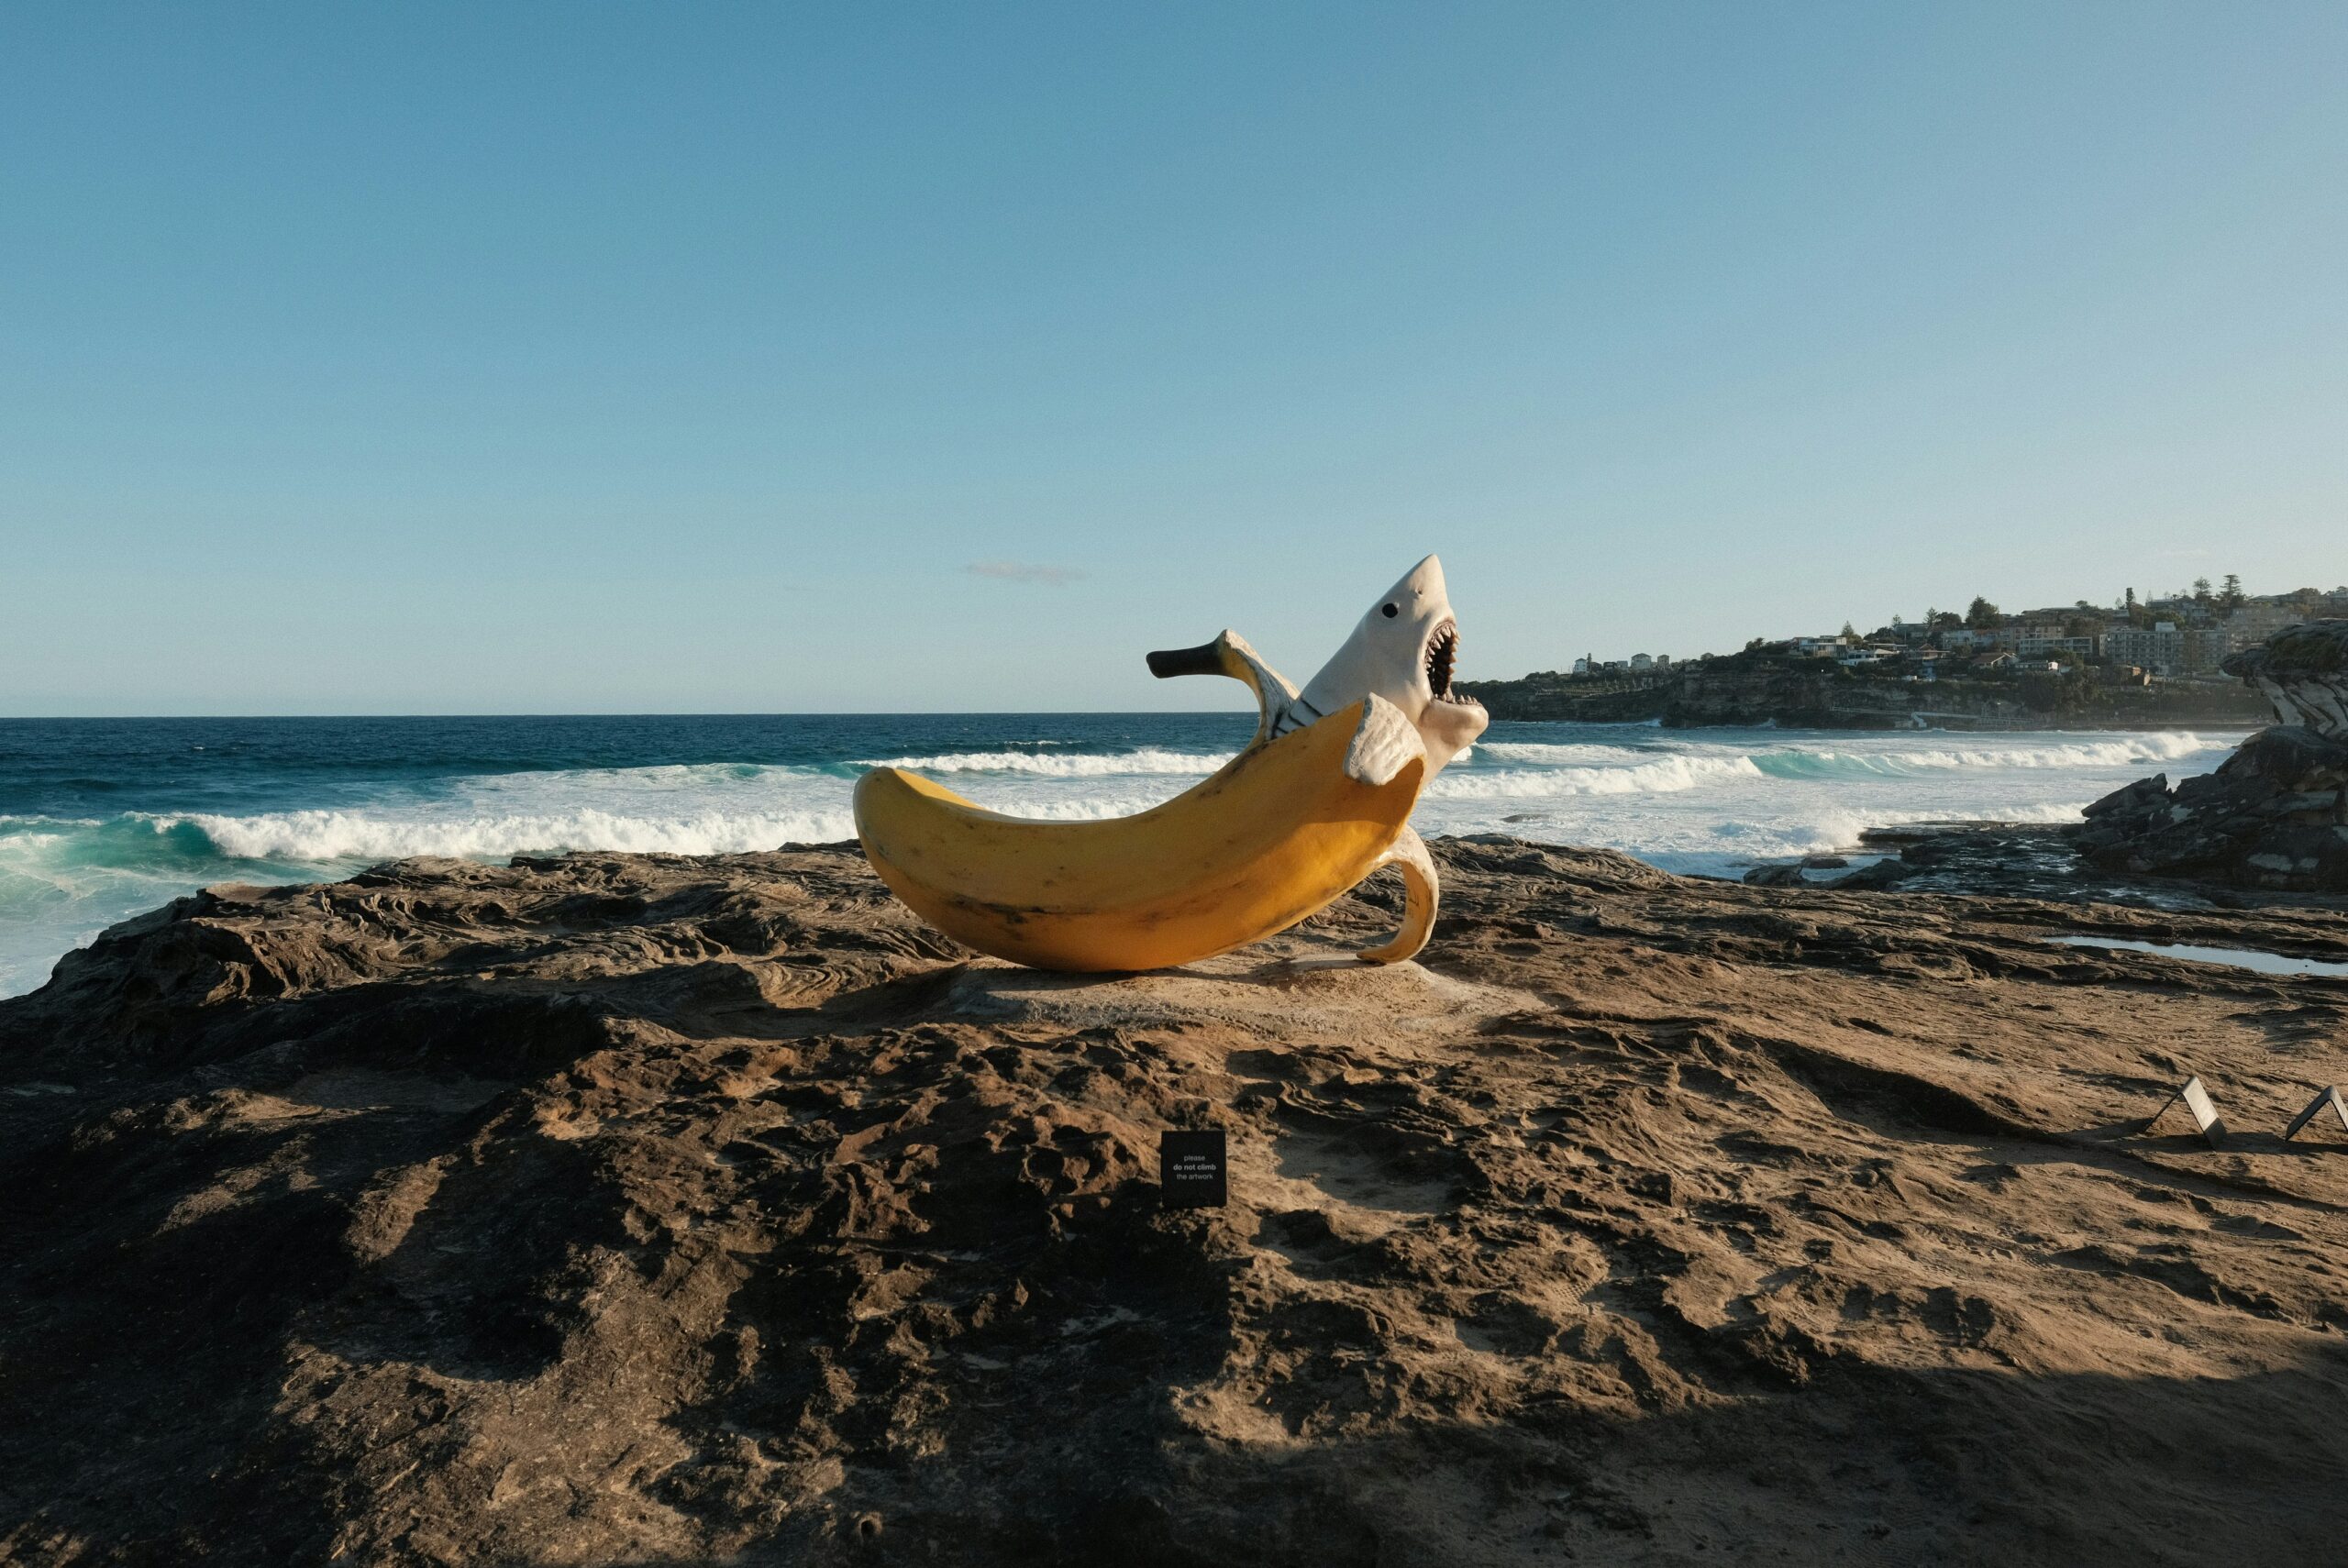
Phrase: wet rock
[2272,815]
[2133,802]
[1882,874]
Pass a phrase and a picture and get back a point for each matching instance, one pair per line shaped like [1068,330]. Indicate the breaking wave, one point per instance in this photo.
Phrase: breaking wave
[1813,761]
[1145,760]
[1708,801]
[359,835]
[1668,774]
[1567,755]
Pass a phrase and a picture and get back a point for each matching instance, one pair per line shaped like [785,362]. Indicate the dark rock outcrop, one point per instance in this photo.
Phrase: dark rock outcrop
[2274,816]
[2303,673]
[635,1208]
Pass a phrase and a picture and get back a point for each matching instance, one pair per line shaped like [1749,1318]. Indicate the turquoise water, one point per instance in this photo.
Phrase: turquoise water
[103,818]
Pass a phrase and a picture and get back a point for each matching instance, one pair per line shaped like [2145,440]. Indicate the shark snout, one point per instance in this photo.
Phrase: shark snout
[1404,649]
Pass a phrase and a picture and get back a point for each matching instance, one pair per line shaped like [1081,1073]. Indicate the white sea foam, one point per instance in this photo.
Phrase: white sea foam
[1143,760]
[324,836]
[1710,801]
[1567,755]
[1858,757]
[1668,775]
[2117,753]
[662,780]
[328,837]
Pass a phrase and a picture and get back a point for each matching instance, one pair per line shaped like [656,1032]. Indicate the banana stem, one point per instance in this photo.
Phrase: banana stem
[1230,655]
[1421,895]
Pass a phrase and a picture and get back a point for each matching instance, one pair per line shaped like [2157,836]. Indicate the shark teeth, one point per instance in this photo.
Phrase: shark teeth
[1443,649]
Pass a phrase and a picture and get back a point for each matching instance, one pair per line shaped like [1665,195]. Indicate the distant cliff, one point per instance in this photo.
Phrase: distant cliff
[1731,692]
[1547,695]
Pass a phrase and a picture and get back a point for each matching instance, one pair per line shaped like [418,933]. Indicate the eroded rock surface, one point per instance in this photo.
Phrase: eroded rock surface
[635,1209]
[2303,673]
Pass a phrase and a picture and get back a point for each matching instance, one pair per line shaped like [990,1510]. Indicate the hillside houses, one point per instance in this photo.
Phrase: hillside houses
[2184,635]
[1591,666]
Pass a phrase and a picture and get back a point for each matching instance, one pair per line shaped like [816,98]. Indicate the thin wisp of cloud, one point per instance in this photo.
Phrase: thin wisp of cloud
[1026,571]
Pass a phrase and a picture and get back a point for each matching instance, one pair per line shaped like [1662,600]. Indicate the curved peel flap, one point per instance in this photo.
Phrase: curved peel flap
[1230,655]
[1383,743]
[1422,896]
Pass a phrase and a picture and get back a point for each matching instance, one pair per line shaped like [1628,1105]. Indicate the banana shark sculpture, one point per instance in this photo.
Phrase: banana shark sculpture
[1316,802]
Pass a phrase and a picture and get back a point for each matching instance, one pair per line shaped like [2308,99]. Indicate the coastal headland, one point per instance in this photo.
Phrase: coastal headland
[2272,816]
[611,1208]
[1746,692]
[2139,665]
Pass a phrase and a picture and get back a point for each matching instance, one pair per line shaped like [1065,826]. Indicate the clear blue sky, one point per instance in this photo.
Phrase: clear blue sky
[499,356]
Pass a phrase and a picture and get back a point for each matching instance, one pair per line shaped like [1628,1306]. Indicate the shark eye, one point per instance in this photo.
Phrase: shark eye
[1389,610]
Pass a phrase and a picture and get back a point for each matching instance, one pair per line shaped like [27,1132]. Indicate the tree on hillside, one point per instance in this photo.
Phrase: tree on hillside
[1981,615]
[1944,620]
[2230,595]
[2201,591]
[1850,633]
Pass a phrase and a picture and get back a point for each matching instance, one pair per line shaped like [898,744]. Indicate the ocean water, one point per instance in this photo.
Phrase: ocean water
[102,819]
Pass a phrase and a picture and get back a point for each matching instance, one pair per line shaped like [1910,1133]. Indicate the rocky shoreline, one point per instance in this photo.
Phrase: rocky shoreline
[2272,817]
[1700,697]
[2029,860]
[641,1208]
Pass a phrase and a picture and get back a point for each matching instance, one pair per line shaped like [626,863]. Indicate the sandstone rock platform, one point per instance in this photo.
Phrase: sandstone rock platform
[616,1209]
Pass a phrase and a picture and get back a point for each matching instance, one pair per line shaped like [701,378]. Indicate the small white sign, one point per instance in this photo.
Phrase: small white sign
[2197,1104]
[2331,1097]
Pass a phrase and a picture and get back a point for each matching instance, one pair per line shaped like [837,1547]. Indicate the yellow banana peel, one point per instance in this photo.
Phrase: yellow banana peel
[1319,800]
[1285,828]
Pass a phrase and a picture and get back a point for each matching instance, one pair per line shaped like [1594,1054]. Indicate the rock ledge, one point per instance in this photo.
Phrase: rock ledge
[638,1209]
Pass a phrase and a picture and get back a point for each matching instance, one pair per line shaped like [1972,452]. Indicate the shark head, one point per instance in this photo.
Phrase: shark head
[1402,650]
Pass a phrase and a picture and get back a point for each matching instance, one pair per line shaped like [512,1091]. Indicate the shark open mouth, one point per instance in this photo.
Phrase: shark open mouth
[1442,647]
